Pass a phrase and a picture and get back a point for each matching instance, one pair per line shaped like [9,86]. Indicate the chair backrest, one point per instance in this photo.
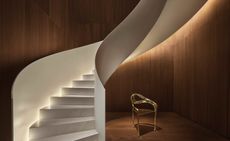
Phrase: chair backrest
[134,97]
[140,99]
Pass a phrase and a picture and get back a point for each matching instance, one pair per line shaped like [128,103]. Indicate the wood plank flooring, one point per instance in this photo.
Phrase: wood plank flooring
[171,127]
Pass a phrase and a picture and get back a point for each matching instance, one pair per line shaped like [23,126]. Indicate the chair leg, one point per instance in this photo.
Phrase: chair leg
[155,120]
[138,125]
[133,118]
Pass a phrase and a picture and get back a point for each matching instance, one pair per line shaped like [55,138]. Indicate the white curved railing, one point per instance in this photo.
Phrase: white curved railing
[174,15]
[129,39]
[121,42]
[44,78]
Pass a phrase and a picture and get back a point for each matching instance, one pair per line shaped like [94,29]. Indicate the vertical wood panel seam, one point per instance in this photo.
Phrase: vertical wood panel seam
[228,103]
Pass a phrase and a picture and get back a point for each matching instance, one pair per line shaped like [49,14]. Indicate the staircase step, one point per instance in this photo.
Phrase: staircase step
[71,106]
[83,100]
[60,127]
[78,91]
[90,135]
[83,83]
[66,111]
[73,95]
[88,77]
[48,122]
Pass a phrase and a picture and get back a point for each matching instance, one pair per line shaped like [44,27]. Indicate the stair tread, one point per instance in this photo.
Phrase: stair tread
[88,74]
[68,107]
[71,95]
[74,96]
[81,87]
[90,79]
[70,136]
[78,87]
[84,80]
[60,121]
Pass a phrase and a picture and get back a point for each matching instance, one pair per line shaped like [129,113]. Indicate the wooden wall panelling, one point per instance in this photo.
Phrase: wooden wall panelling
[229,108]
[26,35]
[161,79]
[9,24]
[58,10]
[228,116]
[91,21]
[186,98]
[43,4]
[218,67]
[32,29]
[150,74]
[118,95]
[87,21]
[196,69]
[200,68]
[226,44]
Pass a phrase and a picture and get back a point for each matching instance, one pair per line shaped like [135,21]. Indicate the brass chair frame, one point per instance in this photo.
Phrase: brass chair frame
[138,99]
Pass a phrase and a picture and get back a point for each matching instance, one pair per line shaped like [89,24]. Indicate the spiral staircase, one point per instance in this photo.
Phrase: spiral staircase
[69,117]
[79,113]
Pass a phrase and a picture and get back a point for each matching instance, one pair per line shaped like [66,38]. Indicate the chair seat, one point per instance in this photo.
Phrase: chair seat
[144,111]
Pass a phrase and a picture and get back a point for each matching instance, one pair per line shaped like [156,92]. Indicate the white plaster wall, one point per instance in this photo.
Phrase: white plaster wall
[44,78]
[100,107]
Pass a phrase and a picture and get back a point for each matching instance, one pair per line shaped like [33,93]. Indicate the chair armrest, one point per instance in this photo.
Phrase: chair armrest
[143,100]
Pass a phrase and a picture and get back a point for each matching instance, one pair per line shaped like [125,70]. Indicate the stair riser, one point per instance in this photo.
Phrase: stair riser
[48,131]
[66,113]
[91,138]
[88,77]
[53,122]
[78,91]
[72,101]
[83,84]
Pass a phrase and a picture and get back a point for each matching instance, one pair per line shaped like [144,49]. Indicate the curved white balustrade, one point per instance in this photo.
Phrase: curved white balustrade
[174,15]
[121,42]
[44,78]
[129,39]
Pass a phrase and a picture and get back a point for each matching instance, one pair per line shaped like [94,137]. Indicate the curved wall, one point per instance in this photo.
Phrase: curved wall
[120,43]
[191,68]
[150,74]
[44,78]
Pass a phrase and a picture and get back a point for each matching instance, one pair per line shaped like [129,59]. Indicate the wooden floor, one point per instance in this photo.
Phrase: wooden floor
[171,127]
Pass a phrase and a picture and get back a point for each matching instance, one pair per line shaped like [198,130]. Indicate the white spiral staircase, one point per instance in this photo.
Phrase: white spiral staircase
[79,113]
[69,117]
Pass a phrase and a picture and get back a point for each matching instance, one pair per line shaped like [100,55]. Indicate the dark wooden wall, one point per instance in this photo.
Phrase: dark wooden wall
[192,66]
[202,68]
[150,75]
[91,21]
[26,34]
[31,29]
[228,124]
[87,21]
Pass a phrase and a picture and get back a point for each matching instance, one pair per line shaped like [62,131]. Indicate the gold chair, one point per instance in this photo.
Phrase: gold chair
[138,100]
